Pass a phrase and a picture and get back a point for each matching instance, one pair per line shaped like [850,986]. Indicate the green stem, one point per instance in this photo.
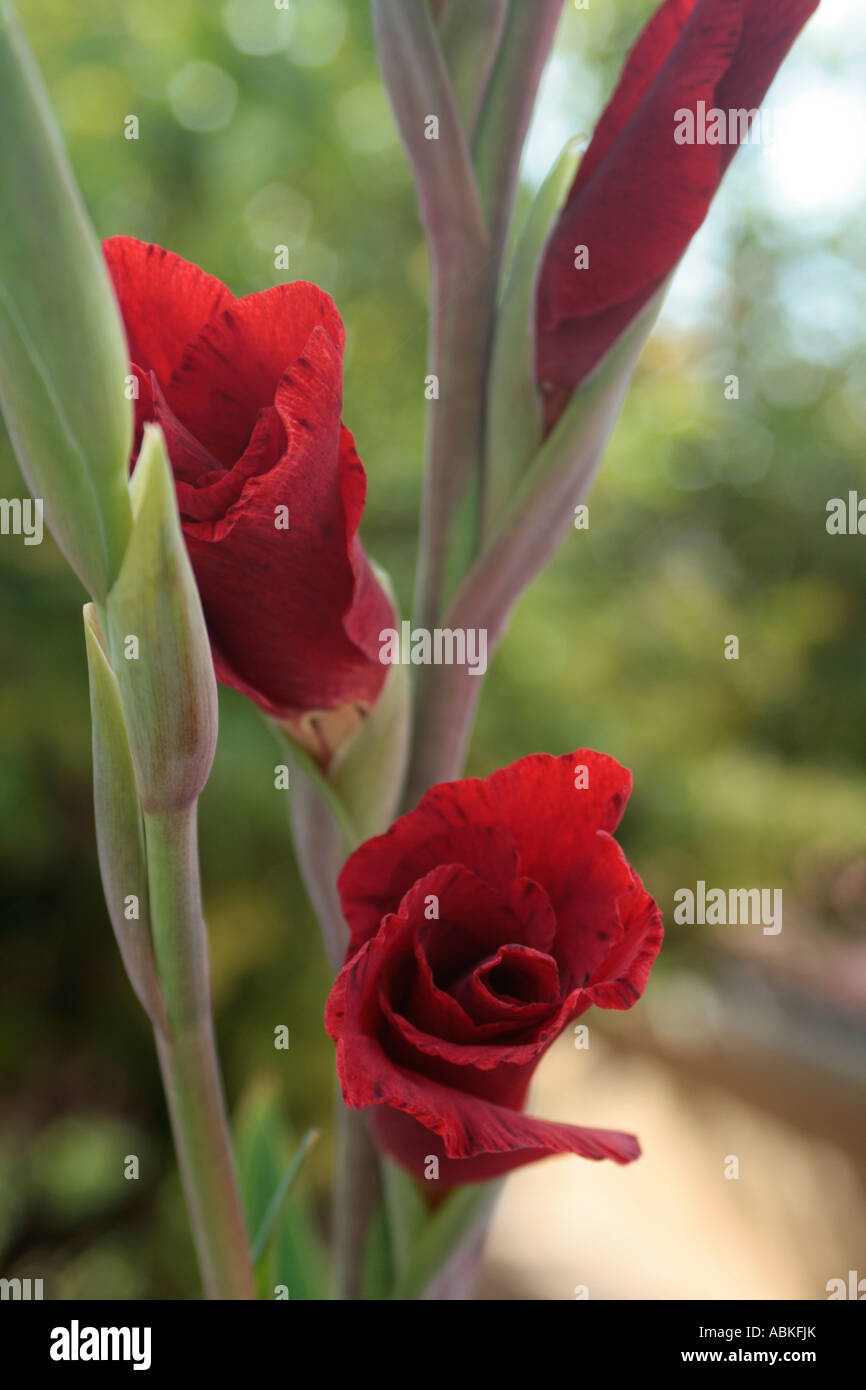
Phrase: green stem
[463,280]
[463,312]
[461,316]
[321,851]
[357,1192]
[188,1058]
[508,106]
[470,36]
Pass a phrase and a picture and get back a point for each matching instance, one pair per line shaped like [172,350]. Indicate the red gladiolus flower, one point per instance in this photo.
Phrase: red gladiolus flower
[639,195]
[270,489]
[482,924]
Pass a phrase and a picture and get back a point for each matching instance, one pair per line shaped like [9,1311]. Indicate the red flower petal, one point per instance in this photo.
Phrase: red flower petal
[528,819]
[376,877]
[248,393]
[469,1124]
[516,984]
[599,928]
[439,1013]
[447,950]
[488,1139]
[240,357]
[434,1009]
[506,1067]
[371,611]
[191,464]
[473,919]
[620,977]
[441,1016]
[360,1006]
[278,601]
[164,301]
[639,197]
[211,501]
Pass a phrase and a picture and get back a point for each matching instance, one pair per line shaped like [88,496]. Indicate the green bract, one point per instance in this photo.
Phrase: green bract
[514,416]
[63,358]
[159,645]
[119,830]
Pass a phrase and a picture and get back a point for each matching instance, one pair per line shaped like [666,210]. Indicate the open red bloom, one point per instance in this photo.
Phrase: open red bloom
[270,489]
[639,196]
[482,924]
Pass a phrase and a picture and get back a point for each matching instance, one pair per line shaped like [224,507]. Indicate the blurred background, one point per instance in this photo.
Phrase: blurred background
[261,128]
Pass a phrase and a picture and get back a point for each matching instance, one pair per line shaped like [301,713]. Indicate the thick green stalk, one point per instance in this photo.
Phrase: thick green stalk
[465,287]
[508,107]
[357,1192]
[466,214]
[187,1055]
[322,842]
[470,36]
[463,279]
[538,518]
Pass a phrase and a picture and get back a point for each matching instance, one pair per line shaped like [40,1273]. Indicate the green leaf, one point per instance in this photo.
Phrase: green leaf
[284,1187]
[406,1210]
[451,1225]
[378,1271]
[295,1257]
[63,357]
[299,1259]
[159,645]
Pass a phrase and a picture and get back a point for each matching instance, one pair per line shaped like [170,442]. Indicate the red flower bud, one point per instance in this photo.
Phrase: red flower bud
[483,924]
[270,489]
[640,195]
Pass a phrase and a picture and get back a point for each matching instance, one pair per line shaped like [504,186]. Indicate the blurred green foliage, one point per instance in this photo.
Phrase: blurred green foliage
[259,128]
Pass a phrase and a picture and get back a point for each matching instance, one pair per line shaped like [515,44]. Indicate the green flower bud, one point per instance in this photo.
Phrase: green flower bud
[159,645]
